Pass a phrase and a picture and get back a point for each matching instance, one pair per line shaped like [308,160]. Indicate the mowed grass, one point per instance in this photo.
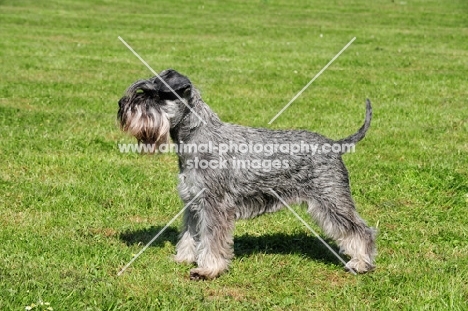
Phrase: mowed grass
[74,210]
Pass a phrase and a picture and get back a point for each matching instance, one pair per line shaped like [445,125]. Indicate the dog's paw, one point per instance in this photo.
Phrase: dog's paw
[359,266]
[195,276]
[199,274]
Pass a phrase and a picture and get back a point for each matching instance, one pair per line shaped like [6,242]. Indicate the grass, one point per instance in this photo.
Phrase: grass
[73,210]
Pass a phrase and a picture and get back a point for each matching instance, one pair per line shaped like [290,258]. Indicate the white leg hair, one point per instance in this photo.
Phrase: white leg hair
[360,247]
[353,236]
[214,249]
[186,247]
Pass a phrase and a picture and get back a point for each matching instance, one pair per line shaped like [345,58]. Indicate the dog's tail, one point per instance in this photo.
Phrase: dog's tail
[353,139]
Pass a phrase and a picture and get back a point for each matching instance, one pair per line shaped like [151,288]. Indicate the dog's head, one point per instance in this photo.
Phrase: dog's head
[150,108]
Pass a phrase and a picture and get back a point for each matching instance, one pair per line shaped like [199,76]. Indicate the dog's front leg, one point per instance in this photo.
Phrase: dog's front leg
[214,248]
[186,247]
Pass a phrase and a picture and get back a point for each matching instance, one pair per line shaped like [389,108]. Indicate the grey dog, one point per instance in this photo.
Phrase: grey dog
[240,183]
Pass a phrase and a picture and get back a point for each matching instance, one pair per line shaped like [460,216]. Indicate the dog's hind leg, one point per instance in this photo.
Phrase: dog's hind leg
[336,214]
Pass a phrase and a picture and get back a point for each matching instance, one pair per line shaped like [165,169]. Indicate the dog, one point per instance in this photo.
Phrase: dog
[222,182]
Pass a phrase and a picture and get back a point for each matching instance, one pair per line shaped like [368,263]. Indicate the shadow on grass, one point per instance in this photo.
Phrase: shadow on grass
[280,243]
[246,245]
[143,236]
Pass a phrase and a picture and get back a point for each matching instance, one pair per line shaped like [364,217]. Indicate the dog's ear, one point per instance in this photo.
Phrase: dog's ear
[179,83]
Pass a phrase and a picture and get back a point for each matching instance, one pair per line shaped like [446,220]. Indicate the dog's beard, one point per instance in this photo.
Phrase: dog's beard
[141,117]
[146,124]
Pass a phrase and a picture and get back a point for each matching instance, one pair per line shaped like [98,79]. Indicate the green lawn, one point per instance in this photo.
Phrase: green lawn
[74,210]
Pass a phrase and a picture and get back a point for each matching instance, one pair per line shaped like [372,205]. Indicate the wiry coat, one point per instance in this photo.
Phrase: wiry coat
[151,112]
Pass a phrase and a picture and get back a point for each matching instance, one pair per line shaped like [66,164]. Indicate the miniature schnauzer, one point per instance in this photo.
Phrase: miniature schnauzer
[238,182]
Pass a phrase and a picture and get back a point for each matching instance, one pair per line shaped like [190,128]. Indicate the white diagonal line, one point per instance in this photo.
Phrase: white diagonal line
[161,79]
[312,230]
[159,233]
[313,79]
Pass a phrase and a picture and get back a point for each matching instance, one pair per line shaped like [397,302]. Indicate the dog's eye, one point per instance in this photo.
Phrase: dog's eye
[147,92]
